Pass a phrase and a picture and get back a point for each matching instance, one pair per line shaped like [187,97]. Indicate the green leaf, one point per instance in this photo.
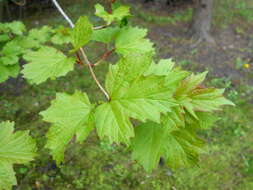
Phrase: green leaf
[46,63]
[208,99]
[163,68]
[194,97]
[11,48]
[112,122]
[8,71]
[41,35]
[152,141]
[147,144]
[4,73]
[16,27]
[15,148]
[120,12]
[4,37]
[62,36]
[69,115]
[82,32]
[205,120]
[13,70]
[117,14]
[123,83]
[7,176]
[10,53]
[190,83]
[131,40]
[105,35]
[182,149]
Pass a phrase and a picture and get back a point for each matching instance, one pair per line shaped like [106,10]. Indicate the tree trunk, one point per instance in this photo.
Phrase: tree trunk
[202,20]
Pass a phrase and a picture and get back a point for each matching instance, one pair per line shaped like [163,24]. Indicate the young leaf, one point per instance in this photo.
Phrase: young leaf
[15,148]
[46,63]
[117,14]
[190,83]
[173,76]
[131,39]
[163,68]
[153,141]
[105,35]
[70,115]
[196,98]
[81,33]
[208,99]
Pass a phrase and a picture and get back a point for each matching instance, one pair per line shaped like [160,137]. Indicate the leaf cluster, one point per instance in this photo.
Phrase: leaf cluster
[169,105]
[155,108]
[16,42]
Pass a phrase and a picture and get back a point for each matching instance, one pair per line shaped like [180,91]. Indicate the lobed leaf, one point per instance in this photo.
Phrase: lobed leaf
[117,14]
[132,96]
[46,63]
[153,141]
[82,32]
[15,148]
[69,115]
[131,39]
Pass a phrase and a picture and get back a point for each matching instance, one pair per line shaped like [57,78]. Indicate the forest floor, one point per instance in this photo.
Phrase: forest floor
[228,164]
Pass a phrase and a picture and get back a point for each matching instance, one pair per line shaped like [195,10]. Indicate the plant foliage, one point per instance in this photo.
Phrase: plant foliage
[15,148]
[16,42]
[154,108]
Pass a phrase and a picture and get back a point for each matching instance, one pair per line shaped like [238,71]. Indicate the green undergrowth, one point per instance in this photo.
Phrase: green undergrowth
[174,18]
[233,11]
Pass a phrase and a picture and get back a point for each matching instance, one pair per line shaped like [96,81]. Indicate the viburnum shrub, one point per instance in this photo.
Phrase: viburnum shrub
[168,105]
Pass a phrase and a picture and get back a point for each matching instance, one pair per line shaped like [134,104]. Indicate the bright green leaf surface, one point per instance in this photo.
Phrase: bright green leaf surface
[70,115]
[147,144]
[82,32]
[153,141]
[131,39]
[4,73]
[196,98]
[105,35]
[42,34]
[15,148]
[16,27]
[46,63]
[132,96]
[117,14]
[8,71]
[112,122]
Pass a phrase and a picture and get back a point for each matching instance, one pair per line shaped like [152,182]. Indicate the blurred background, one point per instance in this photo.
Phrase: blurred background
[202,35]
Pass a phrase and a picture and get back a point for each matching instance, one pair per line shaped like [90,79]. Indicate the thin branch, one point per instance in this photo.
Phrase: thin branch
[100,27]
[63,13]
[104,56]
[82,51]
[93,74]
